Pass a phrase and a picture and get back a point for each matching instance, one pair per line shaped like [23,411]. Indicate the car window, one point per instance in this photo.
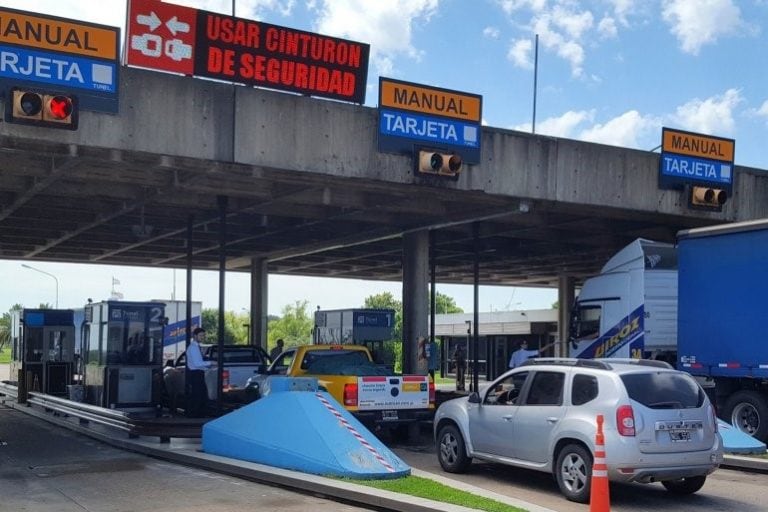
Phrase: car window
[546,389]
[507,390]
[664,390]
[238,355]
[282,362]
[584,389]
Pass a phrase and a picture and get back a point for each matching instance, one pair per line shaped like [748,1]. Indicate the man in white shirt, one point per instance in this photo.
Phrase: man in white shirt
[522,354]
[196,366]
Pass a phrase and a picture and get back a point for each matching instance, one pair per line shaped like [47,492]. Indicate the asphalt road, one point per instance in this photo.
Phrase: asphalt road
[45,468]
[725,490]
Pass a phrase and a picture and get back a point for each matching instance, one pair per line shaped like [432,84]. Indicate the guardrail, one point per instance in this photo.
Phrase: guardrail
[163,427]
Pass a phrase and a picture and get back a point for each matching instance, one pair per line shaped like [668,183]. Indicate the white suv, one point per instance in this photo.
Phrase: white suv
[659,424]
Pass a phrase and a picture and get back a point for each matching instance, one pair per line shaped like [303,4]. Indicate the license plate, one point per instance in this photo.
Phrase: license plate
[679,436]
[389,415]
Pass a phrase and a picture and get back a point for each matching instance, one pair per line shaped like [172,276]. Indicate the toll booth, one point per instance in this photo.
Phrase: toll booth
[369,327]
[122,348]
[43,348]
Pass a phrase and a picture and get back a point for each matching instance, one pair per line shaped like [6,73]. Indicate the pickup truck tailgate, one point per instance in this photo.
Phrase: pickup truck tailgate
[393,392]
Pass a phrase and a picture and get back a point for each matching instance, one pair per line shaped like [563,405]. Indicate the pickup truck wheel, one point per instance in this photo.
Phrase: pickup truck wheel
[748,411]
[451,450]
[684,485]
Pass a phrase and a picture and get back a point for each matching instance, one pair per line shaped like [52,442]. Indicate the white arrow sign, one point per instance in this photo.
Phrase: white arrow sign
[152,21]
[174,25]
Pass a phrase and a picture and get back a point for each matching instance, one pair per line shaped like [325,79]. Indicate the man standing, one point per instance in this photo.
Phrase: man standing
[277,349]
[197,395]
[522,354]
[460,358]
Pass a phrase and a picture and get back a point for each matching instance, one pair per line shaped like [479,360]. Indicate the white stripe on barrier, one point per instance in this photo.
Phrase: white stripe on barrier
[355,433]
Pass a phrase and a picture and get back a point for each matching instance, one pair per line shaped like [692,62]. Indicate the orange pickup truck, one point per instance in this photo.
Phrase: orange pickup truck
[370,392]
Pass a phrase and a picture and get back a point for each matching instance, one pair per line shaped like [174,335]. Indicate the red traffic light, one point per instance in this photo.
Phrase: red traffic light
[60,107]
[42,109]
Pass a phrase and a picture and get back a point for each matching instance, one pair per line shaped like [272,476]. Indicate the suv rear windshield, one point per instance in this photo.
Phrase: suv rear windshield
[664,390]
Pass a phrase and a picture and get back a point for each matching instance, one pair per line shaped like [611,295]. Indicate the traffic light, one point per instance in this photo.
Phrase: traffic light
[708,198]
[37,108]
[445,164]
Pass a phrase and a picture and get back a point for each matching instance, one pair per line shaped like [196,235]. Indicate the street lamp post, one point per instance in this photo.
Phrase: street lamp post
[49,275]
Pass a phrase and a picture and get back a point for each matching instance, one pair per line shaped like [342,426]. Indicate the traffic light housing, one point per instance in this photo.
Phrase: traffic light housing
[53,110]
[443,164]
[708,198]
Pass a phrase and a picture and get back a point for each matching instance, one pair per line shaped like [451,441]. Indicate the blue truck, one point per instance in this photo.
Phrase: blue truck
[699,304]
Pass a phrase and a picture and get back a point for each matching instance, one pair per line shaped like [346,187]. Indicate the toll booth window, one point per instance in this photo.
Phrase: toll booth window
[34,344]
[57,348]
[588,322]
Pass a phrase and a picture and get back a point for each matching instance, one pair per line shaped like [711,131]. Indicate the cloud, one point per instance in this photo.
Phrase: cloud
[386,26]
[713,115]
[491,32]
[520,53]
[607,28]
[563,126]
[626,130]
[700,22]
[763,110]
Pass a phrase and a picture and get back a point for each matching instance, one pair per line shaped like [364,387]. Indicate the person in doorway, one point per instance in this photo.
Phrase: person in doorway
[197,395]
[428,353]
[522,354]
[277,350]
[460,360]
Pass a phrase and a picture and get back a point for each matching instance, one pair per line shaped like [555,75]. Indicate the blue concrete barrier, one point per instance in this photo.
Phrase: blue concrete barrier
[304,431]
[736,441]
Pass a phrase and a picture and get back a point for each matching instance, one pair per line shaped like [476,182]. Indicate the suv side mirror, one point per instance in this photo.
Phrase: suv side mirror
[474,398]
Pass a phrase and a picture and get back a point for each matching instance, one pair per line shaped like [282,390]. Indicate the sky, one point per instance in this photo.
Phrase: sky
[609,71]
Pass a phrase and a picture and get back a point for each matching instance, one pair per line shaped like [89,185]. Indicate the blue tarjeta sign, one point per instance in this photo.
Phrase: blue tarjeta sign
[427,128]
[56,68]
[700,169]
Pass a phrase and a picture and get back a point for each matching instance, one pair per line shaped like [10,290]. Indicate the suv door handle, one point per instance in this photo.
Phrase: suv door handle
[507,417]
[552,419]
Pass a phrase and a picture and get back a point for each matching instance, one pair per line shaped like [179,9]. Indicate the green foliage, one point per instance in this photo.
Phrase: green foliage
[387,301]
[294,326]
[556,304]
[45,305]
[5,326]
[235,330]
[430,489]
[445,304]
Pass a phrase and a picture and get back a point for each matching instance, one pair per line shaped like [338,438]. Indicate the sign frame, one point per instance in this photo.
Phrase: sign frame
[404,128]
[701,160]
[103,59]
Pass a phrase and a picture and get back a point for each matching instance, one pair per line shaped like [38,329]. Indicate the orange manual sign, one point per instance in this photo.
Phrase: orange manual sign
[429,100]
[696,145]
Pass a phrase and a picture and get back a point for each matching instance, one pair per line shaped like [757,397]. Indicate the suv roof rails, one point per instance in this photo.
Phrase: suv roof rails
[568,361]
[656,363]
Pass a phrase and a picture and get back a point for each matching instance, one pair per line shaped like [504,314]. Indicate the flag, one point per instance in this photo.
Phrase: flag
[116,296]
[115,281]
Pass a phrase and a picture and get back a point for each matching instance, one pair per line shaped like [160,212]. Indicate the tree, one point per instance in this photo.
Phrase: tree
[445,304]
[5,326]
[235,331]
[294,325]
[387,301]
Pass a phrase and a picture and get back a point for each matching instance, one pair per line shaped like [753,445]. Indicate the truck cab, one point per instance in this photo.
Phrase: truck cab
[630,308]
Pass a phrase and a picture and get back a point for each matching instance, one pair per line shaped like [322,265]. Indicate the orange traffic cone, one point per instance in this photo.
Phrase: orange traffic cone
[599,499]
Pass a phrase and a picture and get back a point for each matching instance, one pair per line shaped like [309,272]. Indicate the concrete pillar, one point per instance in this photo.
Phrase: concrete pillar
[415,298]
[565,297]
[259,302]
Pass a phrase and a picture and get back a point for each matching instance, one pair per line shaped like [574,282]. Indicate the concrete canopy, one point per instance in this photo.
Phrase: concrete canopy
[309,193]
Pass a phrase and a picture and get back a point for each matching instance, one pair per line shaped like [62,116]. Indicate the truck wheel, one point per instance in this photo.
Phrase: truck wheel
[451,450]
[573,473]
[685,485]
[747,411]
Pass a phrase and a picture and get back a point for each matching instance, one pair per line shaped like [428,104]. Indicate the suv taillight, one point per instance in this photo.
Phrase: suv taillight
[625,421]
[714,417]
[350,395]
[432,392]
